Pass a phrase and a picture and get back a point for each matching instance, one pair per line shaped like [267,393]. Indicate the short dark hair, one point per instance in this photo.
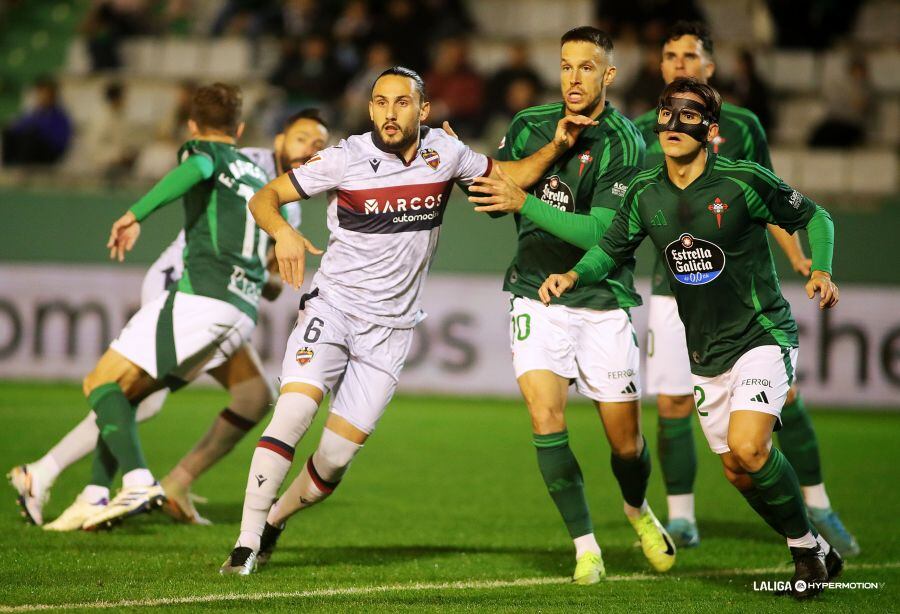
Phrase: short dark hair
[310,113]
[409,73]
[217,107]
[697,29]
[711,98]
[588,34]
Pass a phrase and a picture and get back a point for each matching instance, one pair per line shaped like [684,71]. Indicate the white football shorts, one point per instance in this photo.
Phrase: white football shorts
[668,364]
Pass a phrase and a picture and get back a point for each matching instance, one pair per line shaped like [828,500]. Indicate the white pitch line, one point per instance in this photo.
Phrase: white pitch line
[423,586]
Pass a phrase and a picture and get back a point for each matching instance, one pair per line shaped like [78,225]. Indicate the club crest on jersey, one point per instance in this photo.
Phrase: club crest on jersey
[694,261]
[304,355]
[432,158]
[585,159]
[554,191]
[716,142]
[718,208]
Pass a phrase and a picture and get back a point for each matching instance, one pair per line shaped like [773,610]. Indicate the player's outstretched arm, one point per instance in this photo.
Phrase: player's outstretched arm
[792,248]
[528,171]
[126,230]
[820,229]
[290,245]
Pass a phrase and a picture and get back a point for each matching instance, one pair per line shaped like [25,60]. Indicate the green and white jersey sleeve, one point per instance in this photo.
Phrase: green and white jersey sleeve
[225,250]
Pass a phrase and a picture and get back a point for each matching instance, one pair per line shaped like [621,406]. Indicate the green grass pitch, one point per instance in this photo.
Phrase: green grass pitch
[444,509]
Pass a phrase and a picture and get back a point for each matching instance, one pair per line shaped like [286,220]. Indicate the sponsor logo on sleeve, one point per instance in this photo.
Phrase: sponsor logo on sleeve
[796,199]
[619,189]
[694,261]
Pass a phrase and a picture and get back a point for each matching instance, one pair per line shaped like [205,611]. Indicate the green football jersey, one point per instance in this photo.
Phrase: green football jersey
[712,238]
[595,172]
[741,137]
[224,254]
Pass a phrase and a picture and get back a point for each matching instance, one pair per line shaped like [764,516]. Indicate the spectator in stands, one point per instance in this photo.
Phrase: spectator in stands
[355,104]
[108,143]
[750,91]
[521,93]
[406,30]
[643,90]
[850,108]
[307,73]
[517,67]
[42,134]
[247,17]
[456,91]
[108,23]
[351,32]
[173,127]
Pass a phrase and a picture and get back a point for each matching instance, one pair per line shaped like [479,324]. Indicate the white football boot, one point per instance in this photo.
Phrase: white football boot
[128,502]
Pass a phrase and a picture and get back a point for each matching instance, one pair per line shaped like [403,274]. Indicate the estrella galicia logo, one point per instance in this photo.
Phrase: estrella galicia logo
[694,261]
[553,191]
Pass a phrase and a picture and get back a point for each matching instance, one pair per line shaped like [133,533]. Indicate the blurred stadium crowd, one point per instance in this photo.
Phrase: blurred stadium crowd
[818,73]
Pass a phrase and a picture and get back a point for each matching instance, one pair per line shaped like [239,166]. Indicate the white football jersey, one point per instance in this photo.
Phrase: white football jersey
[384,216]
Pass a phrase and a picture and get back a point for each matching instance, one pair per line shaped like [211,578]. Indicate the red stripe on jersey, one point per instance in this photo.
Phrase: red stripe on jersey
[395,199]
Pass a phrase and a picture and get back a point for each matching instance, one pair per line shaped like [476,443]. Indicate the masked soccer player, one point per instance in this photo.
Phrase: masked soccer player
[387,193]
[707,215]
[588,338]
[688,52]
[303,134]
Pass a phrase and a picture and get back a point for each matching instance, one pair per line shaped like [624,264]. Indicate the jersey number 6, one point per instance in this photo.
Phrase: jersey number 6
[313,330]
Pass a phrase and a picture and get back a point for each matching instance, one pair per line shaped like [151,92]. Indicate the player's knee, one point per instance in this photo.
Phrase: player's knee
[750,454]
[333,456]
[293,414]
[738,479]
[675,406]
[546,420]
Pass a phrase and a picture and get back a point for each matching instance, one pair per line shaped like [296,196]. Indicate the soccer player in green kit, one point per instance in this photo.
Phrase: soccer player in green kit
[199,324]
[706,215]
[588,340]
[688,52]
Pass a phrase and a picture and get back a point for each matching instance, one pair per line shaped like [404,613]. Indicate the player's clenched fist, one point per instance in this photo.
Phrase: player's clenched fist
[290,251]
[123,235]
[828,291]
[557,285]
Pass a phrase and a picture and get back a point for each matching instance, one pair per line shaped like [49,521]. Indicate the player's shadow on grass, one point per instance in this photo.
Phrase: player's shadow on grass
[737,529]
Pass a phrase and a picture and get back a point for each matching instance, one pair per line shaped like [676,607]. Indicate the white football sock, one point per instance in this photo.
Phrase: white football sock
[824,545]
[807,541]
[815,496]
[271,462]
[681,506]
[586,543]
[94,493]
[137,478]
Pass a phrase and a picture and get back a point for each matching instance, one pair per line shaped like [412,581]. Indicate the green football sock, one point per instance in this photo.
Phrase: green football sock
[797,439]
[755,499]
[564,481]
[118,428]
[778,486]
[633,475]
[677,455]
[104,466]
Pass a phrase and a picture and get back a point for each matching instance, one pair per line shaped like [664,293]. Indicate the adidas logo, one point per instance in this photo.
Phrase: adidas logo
[629,389]
[658,219]
[761,398]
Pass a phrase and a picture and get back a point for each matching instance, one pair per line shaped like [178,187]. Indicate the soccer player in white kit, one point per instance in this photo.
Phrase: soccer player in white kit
[387,193]
[303,134]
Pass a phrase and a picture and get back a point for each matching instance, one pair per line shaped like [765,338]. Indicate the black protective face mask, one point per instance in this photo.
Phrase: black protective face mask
[675,106]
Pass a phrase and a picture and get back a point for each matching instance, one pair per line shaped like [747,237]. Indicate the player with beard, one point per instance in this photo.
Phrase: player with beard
[741,336]
[688,52]
[303,134]
[588,338]
[387,194]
